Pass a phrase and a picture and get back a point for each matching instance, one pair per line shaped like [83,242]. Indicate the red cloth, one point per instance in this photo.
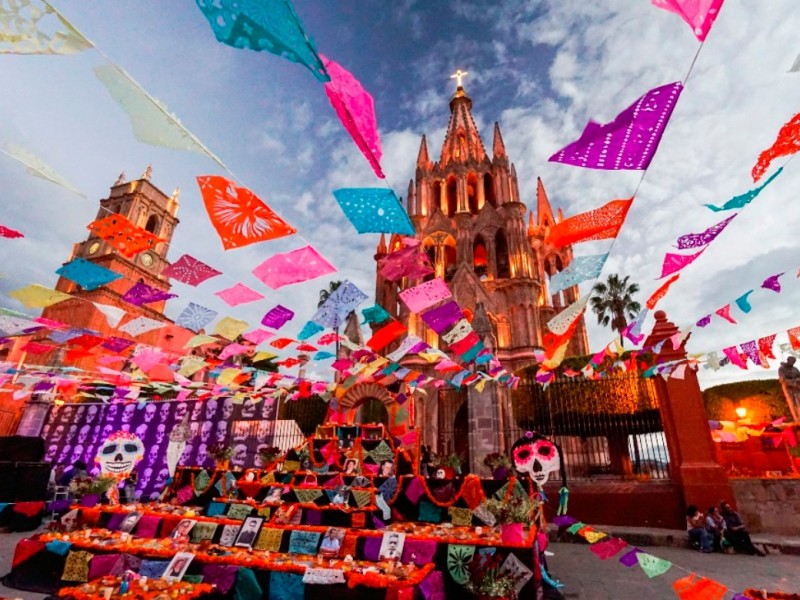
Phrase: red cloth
[168,523]
[29,509]
[90,517]
[25,549]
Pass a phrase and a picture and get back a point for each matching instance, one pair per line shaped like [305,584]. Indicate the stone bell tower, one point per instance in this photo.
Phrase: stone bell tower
[469,217]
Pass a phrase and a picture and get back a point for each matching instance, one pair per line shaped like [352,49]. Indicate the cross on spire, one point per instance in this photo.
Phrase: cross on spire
[459,76]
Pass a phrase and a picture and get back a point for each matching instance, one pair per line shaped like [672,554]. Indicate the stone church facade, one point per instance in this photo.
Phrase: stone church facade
[470,218]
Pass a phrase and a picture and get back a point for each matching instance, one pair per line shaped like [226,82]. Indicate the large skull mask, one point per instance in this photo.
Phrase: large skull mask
[537,456]
[119,454]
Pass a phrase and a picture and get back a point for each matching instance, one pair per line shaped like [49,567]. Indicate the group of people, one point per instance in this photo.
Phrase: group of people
[718,529]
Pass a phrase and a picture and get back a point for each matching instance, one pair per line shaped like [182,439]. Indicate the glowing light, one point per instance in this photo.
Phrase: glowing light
[741,412]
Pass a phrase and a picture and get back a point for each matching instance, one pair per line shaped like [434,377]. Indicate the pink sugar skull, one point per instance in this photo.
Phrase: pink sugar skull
[537,456]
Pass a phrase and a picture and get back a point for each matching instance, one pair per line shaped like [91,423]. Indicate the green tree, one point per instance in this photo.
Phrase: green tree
[326,293]
[612,301]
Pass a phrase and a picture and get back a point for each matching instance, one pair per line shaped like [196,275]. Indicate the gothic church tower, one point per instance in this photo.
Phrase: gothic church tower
[468,214]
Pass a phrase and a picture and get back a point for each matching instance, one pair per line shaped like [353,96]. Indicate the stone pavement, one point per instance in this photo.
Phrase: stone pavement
[589,578]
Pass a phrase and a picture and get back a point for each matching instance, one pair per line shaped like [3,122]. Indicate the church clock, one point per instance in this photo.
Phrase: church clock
[147,259]
[94,247]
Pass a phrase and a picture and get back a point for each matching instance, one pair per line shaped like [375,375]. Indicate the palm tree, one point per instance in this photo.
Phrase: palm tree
[326,293]
[613,302]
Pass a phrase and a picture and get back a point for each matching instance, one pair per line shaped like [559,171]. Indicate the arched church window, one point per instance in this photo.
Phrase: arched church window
[501,252]
[450,258]
[472,193]
[307,414]
[559,264]
[451,196]
[152,224]
[488,190]
[480,262]
[461,145]
[436,193]
[373,410]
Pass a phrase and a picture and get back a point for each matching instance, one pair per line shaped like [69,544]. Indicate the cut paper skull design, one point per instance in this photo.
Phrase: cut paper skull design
[537,456]
[118,455]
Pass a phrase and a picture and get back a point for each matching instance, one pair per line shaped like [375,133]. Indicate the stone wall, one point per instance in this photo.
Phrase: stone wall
[769,505]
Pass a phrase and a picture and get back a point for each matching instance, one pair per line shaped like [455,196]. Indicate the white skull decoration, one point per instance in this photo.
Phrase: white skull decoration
[77,453]
[127,413]
[153,454]
[239,455]
[163,412]
[537,456]
[119,454]
[197,411]
[83,434]
[267,408]
[161,432]
[162,477]
[141,430]
[248,409]
[58,433]
[205,430]
[149,412]
[222,432]
[91,414]
[71,433]
[112,412]
[51,453]
[180,411]
[227,409]
[211,408]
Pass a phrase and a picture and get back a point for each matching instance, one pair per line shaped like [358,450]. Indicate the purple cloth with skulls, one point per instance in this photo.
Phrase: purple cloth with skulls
[76,432]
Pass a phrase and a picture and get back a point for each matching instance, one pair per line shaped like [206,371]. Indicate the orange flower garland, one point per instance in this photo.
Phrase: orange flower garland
[154,588]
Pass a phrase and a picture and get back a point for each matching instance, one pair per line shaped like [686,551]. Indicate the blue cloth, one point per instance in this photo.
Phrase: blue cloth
[87,274]
[323,355]
[285,586]
[308,330]
[264,25]
[374,210]
[581,269]
[153,568]
[215,508]
[58,547]
[195,317]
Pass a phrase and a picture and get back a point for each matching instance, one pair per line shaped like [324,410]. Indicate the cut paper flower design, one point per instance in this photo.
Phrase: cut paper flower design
[264,25]
[239,216]
[87,274]
[597,224]
[425,295]
[356,110]
[123,235]
[699,15]
[24,26]
[141,293]
[630,140]
[238,294]
[374,210]
[195,317]
[581,269]
[296,266]
[141,325]
[151,121]
[190,271]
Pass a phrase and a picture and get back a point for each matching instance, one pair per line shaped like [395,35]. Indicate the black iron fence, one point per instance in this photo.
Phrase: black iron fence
[609,428]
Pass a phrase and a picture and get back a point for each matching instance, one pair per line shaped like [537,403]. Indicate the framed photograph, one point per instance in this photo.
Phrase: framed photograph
[228,535]
[341,495]
[331,542]
[274,495]
[249,532]
[182,529]
[392,545]
[283,514]
[351,466]
[129,522]
[386,469]
[177,566]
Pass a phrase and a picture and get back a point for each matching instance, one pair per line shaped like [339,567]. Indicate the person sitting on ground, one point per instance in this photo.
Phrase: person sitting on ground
[715,525]
[78,469]
[736,531]
[696,526]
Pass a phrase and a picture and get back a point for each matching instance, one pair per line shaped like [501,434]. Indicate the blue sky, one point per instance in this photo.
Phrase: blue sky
[541,68]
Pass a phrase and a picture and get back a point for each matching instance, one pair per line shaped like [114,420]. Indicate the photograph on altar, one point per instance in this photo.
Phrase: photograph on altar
[331,542]
[129,522]
[177,566]
[249,532]
[228,535]
[351,466]
[182,529]
[274,495]
[392,545]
